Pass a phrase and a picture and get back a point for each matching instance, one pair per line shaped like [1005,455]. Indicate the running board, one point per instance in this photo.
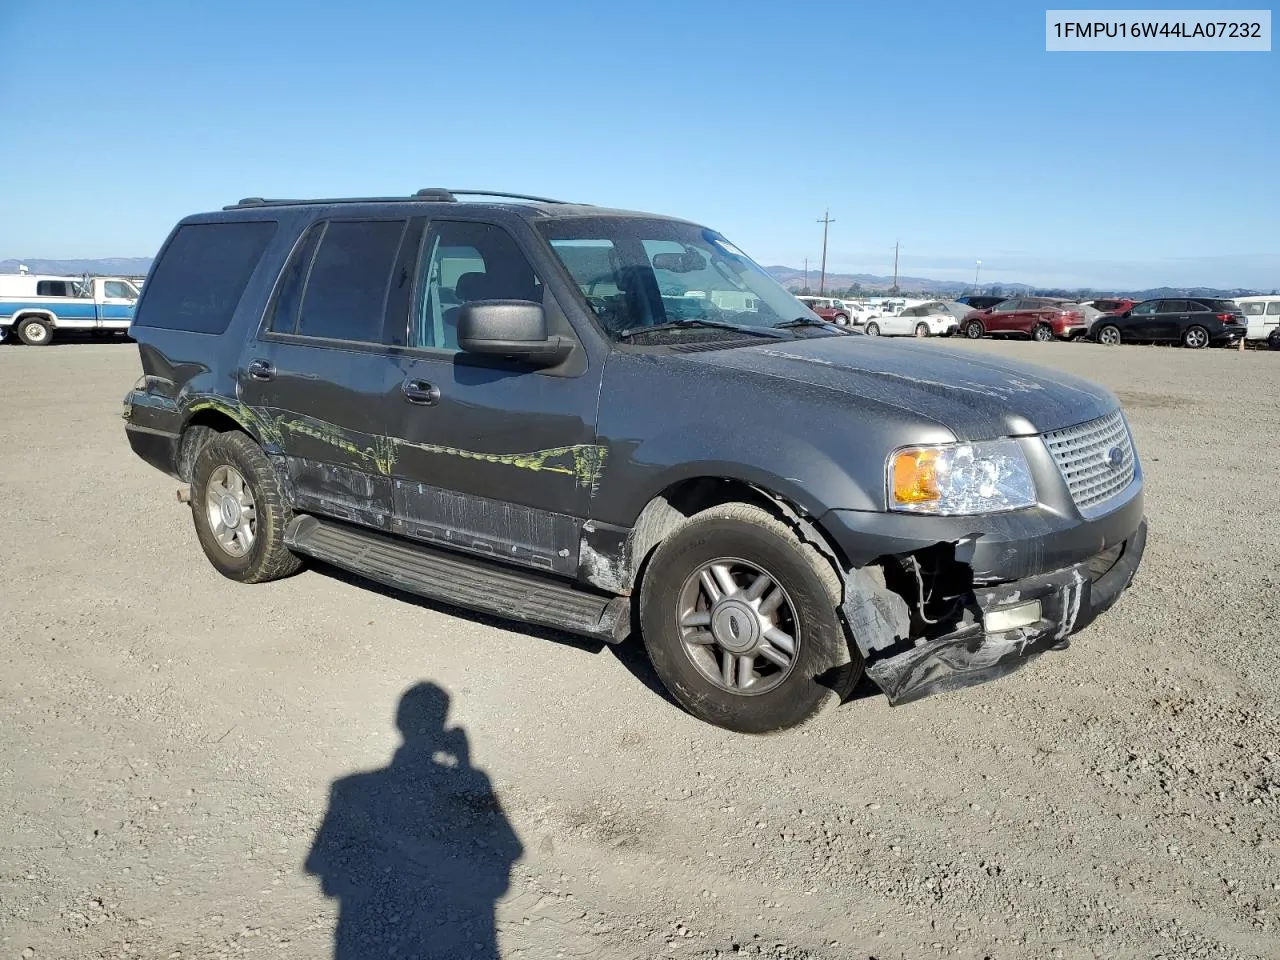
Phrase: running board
[469,582]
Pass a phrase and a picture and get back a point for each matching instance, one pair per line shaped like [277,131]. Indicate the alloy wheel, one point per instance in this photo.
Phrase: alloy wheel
[738,626]
[231,510]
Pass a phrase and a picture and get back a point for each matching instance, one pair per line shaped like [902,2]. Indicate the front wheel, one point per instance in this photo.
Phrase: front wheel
[1042,333]
[240,511]
[740,620]
[1109,335]
[1195,338]
[34,332]
[872,329]
[974,330]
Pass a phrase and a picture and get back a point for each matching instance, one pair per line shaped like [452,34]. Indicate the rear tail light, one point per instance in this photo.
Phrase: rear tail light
[1228,318]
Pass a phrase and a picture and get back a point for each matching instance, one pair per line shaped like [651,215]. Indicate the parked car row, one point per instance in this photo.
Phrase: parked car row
[1194,322]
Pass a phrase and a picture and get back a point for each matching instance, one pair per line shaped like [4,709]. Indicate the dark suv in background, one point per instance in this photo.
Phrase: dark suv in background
[601,421]
[1193,321]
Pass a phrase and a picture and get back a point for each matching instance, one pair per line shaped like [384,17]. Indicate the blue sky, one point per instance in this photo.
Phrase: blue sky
[943,125]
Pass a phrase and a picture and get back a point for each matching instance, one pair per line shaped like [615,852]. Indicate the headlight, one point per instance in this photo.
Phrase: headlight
[960,478]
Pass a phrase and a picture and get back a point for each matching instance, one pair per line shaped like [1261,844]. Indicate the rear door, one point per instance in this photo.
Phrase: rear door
[1172,319]
[329,362]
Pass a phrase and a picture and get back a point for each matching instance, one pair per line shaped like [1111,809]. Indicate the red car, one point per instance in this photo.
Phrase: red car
[1039,318]
[831,310]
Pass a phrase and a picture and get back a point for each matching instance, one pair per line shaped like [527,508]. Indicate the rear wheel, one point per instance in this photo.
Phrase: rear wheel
[1042,333]
[974,330]
[740,620]
[922,329]
[872,329]
[1109,335]
[239,510]
[842,320]
[1195,337]
[34,332]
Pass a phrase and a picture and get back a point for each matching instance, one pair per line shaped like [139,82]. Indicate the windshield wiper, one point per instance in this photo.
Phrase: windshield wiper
[810,322]
[685,324]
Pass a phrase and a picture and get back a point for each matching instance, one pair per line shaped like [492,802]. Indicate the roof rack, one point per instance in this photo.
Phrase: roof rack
[439,194]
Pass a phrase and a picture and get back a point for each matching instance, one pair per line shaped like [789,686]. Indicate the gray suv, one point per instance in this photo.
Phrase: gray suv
[610,423]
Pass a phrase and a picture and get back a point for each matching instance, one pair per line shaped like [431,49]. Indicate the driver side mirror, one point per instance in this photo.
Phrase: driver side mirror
[515,329]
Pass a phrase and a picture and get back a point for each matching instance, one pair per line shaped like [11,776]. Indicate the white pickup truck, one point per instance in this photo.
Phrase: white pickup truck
[35,306]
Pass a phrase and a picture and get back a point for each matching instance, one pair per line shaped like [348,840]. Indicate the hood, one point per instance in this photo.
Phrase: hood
[976,396]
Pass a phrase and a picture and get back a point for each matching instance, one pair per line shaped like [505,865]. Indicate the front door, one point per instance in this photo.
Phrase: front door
[492,457]
[1002,317]
[115,307]
[1141,323]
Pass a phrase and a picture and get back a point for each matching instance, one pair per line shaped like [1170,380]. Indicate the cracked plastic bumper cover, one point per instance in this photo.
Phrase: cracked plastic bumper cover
[1070,599]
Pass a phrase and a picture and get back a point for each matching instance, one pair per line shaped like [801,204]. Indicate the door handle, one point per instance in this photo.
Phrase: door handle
[262,369]
[421,392]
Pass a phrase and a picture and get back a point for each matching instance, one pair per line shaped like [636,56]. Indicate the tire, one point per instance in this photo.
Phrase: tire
[1109,335]
[841,320]
[872,329]
[264,557]
[1195,337]
[34,332]
[922,329]
[1042,333]
[744,541]
[974,330]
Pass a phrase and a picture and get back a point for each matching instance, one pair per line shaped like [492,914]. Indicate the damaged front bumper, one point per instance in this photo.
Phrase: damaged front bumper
[1005,623]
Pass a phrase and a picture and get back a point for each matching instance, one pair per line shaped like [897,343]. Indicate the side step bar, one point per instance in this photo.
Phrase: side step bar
[469,582]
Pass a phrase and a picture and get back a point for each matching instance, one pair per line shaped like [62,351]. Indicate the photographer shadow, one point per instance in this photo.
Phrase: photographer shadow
[417,853]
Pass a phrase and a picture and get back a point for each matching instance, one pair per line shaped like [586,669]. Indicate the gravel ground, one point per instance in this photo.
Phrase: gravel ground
[172,741]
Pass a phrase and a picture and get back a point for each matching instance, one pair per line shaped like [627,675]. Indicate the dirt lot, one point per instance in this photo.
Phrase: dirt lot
[170,741]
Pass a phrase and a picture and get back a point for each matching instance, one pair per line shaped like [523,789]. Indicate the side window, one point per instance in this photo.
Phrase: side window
[201,275]
[119,289]
[1145,309]
[52,288]
[464,262]
[1273,308]
[1175,306]
[1008,306]
[282,315]
[1257,309]
[346,292]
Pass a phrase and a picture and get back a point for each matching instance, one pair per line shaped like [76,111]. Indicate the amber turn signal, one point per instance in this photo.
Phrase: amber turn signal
[915,476]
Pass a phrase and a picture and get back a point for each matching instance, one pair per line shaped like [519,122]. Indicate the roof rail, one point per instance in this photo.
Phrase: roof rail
[494,193]
[438,194]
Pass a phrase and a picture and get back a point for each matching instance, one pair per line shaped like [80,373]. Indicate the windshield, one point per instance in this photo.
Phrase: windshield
[641,272]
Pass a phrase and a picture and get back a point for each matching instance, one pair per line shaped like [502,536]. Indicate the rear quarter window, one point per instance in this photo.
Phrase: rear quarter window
[200,277]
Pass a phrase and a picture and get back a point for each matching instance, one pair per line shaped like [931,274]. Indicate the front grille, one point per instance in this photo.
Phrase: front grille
[1084,454]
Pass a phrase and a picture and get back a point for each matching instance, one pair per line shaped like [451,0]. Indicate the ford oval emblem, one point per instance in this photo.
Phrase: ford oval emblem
[734,627]
[1115,458]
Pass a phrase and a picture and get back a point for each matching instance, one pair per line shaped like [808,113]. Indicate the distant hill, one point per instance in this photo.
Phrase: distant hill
[839,283]
[790,277]
[110,266]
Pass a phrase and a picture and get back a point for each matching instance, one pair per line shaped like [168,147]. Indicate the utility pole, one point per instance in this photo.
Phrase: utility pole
[895,266]
[976,271]
[822,278]
[806,274]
